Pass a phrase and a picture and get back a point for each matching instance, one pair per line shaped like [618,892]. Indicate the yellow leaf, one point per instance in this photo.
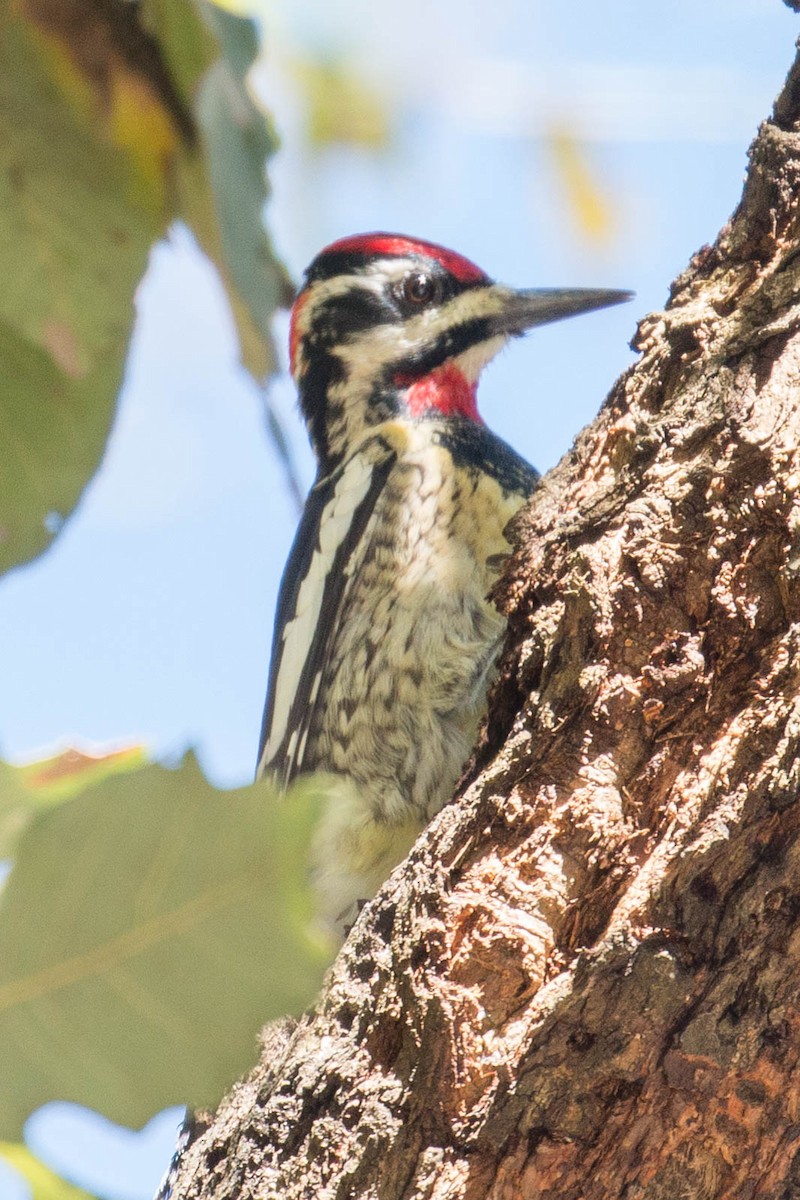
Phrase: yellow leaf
[588,205]
[240,8]
[45,1184]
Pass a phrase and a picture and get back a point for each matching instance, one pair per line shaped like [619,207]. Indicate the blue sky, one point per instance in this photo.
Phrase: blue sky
[150,619]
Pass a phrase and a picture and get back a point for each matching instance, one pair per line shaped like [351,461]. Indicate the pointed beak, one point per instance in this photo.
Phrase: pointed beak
[517,311]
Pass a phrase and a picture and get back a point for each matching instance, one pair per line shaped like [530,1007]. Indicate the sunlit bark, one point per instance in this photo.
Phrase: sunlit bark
[584,981]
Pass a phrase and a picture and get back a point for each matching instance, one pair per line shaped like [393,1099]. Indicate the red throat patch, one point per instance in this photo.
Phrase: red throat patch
[445,391]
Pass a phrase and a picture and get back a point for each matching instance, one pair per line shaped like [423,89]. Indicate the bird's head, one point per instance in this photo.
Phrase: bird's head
[389,326]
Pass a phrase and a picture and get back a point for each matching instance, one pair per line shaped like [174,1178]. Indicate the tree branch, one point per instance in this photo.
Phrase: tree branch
[583,981]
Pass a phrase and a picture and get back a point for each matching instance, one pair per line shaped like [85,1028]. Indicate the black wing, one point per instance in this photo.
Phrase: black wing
[335,517]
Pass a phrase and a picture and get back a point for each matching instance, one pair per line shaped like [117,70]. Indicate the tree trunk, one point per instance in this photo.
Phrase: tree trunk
[585,980]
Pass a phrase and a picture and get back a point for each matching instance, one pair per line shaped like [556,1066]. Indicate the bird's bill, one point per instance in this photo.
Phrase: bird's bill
[519,310]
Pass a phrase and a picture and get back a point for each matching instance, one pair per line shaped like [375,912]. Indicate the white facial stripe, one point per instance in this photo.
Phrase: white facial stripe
[471,362]
[298,633]
[393,269]
[329,289]
[337,285]
[374,277]
[371,350]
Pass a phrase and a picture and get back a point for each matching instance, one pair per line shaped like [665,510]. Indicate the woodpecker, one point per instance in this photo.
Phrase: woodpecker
[385,641]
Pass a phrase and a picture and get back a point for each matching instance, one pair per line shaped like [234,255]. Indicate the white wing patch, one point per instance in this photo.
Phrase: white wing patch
[298,633]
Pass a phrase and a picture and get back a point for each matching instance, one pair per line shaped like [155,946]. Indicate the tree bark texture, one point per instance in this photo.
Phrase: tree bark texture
[585,980]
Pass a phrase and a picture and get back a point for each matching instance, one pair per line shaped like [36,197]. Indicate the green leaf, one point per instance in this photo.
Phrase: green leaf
[239,141]
[26,791]
[99,151]
[74,245]
[18,806]
[44,1183]
[148,930]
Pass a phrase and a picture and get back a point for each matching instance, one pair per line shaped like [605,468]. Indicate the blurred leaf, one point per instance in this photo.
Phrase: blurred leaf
[239,140]
[73,770]
[342,107]
[25,791]
[44,1183]
[149,928]
[239,8]
[18,806]
[75,243]
[99,151]
[591,211]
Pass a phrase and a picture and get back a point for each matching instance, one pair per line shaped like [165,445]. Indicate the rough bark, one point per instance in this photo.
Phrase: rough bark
[585,980]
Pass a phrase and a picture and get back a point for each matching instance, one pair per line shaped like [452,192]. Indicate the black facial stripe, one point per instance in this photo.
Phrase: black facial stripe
[323,371]
[448,344]
[329,265]
[338,317]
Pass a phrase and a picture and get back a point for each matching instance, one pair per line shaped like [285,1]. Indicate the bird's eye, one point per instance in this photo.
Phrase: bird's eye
[419,288]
